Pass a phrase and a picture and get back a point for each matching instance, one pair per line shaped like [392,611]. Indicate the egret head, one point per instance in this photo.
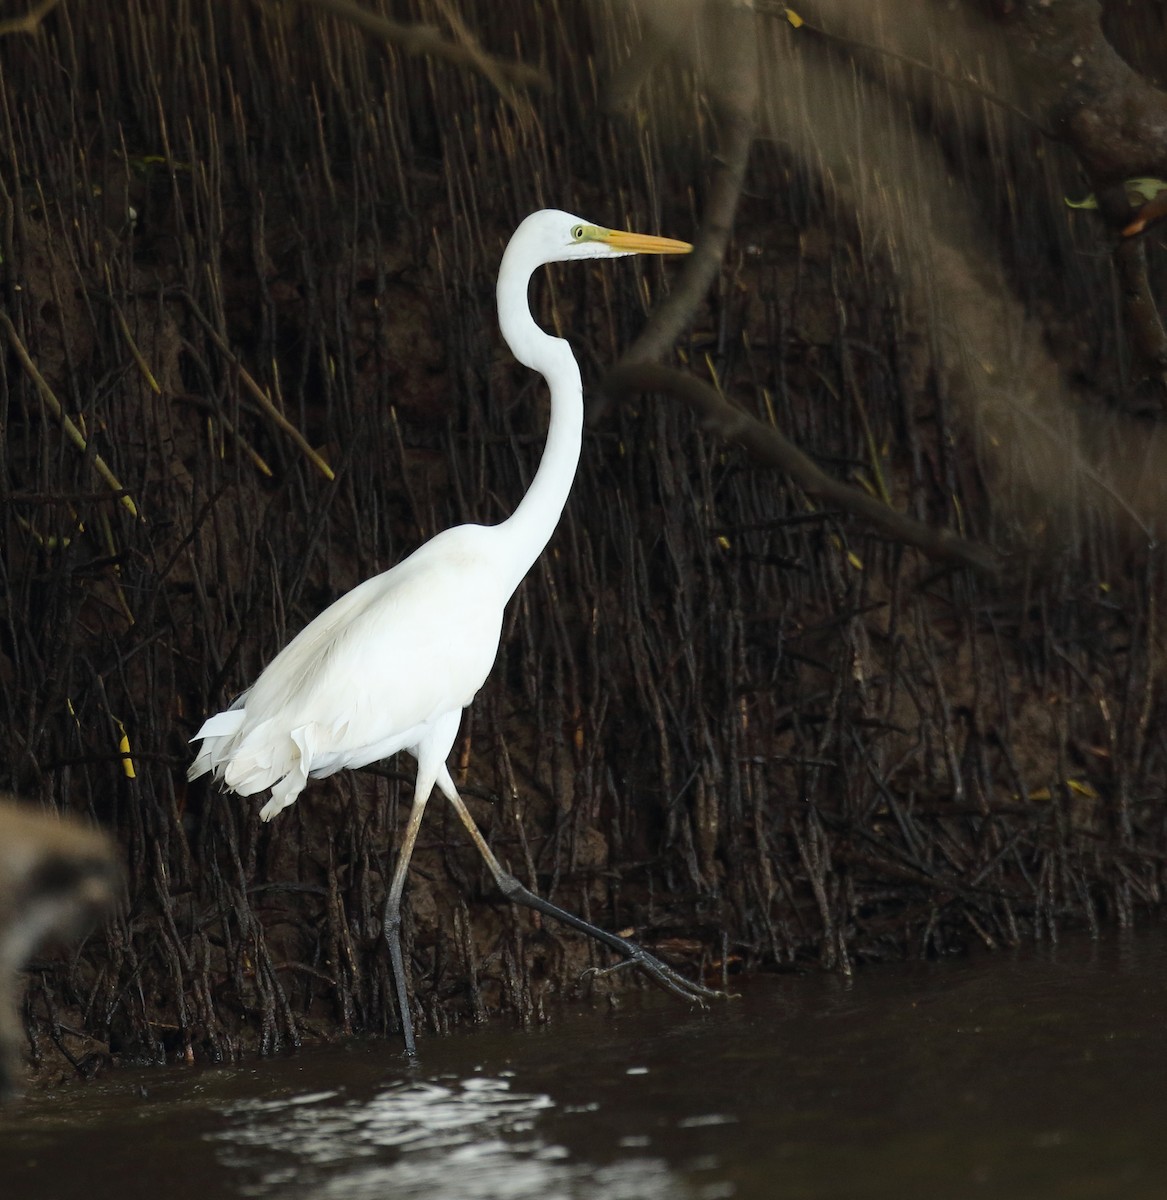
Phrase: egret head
[559,236]
[552,236]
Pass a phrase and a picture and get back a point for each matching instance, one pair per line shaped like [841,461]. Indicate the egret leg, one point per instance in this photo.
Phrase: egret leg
[635,956]
[391,924]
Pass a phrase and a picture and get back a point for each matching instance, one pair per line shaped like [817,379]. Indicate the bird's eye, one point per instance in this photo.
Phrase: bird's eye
[577,232]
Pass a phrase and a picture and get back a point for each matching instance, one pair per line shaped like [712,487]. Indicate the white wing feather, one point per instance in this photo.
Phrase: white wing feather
[368,676]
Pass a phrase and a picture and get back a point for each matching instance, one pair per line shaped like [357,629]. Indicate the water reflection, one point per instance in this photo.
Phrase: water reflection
[469,1139]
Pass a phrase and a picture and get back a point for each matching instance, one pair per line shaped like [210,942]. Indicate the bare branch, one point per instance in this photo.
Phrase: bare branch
[31,21]
[1065,77]
[768,445]
[967,81]
[1085,92]
[426,40]
[735,100]
[1143,321]
[488,66]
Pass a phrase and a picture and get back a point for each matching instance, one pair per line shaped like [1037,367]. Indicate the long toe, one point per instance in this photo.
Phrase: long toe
[661,973]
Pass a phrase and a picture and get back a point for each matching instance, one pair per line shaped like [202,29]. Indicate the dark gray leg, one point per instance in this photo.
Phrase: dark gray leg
[391,925]
[514,891]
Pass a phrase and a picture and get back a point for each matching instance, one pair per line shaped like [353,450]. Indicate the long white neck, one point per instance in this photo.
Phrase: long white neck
[527,530]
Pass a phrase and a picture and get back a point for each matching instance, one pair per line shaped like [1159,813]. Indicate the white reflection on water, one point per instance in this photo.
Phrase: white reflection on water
[469,1139]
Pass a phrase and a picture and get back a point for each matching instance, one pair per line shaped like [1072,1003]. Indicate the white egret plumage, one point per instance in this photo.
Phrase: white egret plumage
[390,665]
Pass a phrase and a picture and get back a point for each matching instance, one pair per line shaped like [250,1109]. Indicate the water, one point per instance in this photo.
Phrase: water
[1029,1074]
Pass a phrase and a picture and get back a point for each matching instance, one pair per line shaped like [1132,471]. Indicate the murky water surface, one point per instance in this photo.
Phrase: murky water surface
[1032,1074]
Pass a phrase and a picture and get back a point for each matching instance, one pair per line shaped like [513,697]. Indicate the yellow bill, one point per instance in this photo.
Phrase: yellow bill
[642,243]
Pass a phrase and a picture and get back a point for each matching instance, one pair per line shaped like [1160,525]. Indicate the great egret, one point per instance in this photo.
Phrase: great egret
[391,665]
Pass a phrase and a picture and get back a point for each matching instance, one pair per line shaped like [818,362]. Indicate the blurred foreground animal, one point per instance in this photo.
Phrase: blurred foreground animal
[57,878]
[391,665]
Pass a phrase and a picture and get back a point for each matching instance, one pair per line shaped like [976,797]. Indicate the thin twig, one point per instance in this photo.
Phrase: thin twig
[54,406]
[261,397]
[138,357]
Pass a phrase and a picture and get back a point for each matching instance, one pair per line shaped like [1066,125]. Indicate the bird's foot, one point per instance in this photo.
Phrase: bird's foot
[660,973]
[633,955]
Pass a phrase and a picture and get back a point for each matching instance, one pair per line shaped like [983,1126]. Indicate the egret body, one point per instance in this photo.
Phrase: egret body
[391,664]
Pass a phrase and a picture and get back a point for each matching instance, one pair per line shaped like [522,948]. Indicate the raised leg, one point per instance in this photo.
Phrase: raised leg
[635,956]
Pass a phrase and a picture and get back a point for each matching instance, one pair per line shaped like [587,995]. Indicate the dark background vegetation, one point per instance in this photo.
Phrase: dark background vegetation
[250,358]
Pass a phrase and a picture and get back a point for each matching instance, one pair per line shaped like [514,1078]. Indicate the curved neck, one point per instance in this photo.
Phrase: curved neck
[527,530]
